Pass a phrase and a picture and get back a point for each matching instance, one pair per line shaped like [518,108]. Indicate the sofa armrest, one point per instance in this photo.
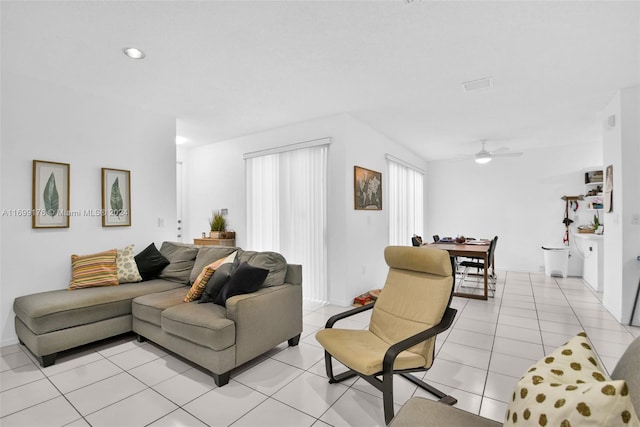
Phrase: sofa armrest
[294,274]
[265,319]
[419,411]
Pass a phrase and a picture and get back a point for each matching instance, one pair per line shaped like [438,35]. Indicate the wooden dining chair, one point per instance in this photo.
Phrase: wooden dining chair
[478,264]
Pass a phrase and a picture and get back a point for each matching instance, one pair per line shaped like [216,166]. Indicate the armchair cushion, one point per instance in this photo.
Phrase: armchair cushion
[362,351]
[414,298]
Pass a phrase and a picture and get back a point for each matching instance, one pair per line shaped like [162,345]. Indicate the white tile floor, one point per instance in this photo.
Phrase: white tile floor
[121,382]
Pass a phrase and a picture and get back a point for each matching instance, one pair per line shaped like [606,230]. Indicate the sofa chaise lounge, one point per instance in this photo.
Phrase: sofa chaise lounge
[213,336]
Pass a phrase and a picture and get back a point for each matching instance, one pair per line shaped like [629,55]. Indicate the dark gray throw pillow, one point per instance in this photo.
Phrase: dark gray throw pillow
[150,262]
[217,281]
[244,280]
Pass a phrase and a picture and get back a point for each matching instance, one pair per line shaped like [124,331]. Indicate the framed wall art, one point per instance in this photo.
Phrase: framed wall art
[116,198]
[367,189]
[50,195]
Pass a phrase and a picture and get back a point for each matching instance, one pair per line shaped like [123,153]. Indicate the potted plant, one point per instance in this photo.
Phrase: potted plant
[218,225]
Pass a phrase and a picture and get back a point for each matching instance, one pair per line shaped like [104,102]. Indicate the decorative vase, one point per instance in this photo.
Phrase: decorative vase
[216,235]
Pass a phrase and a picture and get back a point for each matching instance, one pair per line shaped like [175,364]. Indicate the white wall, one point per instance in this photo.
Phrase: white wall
[622,236]
[356,239]
[517,199]
[48,122]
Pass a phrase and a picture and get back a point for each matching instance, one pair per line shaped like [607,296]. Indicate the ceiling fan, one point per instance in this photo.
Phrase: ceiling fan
[484,156]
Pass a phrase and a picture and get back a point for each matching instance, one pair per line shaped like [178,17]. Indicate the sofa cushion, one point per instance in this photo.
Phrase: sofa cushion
[127,267]
[94,270]
[220,277]
[272,261]
[569,387]
[196,290]
[150,307]
[181,257]
[207,255]
[244,280]
[203,324]
[54,310]
[150,262]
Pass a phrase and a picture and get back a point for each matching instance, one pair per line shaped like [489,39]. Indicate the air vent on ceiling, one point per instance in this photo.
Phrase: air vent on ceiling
[484,83]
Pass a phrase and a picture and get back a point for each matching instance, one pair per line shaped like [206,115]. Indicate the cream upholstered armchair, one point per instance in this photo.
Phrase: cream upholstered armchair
[411,310]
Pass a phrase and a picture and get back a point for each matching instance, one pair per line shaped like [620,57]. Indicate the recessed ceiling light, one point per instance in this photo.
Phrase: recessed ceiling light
[484,83]
[180,139]
[133,53]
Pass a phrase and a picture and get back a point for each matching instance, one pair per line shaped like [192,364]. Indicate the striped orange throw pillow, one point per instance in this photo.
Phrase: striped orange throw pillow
[92,270]
[201,282]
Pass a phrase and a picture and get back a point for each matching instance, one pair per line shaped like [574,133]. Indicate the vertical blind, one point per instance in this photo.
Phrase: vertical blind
[286,211]
[405,195]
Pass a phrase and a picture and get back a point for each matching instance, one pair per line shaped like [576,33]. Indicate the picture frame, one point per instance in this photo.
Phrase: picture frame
[116,197]
[367,189]
[50,194]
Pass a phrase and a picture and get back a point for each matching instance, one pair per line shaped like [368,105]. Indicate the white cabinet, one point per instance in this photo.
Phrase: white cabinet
[591,246]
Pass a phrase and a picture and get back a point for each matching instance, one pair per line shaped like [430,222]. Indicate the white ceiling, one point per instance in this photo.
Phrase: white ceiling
[226,69]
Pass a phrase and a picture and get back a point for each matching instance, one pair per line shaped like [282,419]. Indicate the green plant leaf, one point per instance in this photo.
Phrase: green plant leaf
[51,197]
[116,199]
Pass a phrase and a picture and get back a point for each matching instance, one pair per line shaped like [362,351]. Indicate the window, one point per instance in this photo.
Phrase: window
[286,209]
[405,195]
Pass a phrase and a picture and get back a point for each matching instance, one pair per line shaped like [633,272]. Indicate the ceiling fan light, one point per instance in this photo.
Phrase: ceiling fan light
[482,159]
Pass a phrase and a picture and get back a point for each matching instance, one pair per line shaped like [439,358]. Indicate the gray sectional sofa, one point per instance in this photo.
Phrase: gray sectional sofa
[213,336]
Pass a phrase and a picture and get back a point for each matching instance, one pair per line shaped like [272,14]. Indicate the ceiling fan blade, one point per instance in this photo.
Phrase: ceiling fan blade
[507,154]
[462,157]
[499,150]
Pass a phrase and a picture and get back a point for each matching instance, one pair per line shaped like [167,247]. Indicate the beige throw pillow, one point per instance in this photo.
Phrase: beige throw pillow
[127,267]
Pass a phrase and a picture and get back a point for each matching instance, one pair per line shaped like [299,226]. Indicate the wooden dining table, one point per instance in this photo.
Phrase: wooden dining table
[475,250]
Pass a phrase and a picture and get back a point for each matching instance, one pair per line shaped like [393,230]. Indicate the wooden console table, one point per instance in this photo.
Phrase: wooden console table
[207,241]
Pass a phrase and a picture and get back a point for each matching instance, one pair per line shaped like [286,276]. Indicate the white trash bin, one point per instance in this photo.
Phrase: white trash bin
[556,261]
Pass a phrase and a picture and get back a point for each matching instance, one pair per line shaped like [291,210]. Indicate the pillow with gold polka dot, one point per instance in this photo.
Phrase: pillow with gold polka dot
[569,388]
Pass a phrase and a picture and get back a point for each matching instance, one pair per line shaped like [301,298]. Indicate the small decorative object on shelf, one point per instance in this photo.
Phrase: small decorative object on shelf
[593,188]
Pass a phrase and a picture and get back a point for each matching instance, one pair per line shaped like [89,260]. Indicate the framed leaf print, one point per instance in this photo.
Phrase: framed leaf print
[50,195]
[116,198]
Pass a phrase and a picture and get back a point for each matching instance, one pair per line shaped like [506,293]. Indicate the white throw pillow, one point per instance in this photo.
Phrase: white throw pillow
[570,388]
